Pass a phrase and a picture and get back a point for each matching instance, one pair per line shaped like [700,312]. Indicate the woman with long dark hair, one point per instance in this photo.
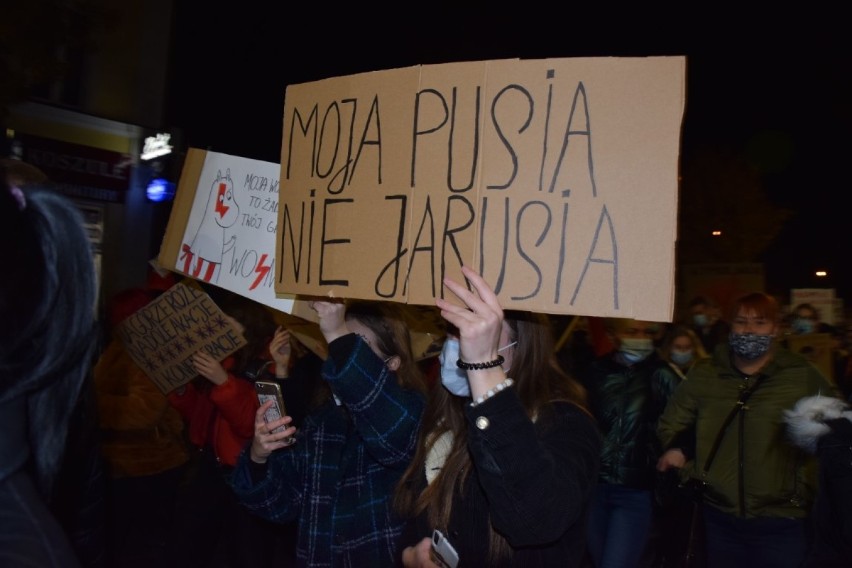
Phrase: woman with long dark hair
[337,479]
[508,454]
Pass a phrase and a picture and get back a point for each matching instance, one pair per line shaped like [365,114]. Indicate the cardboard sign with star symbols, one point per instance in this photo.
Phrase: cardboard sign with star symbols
[162,337]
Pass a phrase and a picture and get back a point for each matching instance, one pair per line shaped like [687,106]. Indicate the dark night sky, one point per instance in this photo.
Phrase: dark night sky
[787,79]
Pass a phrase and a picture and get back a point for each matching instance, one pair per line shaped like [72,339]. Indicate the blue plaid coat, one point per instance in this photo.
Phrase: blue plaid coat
[338,478]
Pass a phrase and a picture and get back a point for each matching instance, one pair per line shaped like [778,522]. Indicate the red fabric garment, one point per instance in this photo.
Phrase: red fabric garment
[221,418]
[601,342]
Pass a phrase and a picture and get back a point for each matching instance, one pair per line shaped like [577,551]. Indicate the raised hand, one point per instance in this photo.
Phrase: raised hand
[281,349]
[331,314]
[209,368]
[480,325]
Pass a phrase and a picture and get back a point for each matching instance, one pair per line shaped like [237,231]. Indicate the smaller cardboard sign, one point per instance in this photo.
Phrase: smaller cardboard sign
[162,337]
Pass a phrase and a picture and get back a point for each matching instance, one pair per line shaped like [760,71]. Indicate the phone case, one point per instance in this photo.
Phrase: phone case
[443,552]
[265,391]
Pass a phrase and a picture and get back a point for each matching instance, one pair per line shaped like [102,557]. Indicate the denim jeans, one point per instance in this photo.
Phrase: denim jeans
[619,524]
[734,542]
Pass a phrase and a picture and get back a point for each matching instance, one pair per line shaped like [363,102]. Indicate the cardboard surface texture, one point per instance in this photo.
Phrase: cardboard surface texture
[556,179]
[162,337]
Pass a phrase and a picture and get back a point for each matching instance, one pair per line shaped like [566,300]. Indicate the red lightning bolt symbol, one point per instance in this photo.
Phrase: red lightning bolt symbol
[221,208]
[261,272]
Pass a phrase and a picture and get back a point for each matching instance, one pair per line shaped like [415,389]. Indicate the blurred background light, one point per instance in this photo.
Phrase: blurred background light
[160,189]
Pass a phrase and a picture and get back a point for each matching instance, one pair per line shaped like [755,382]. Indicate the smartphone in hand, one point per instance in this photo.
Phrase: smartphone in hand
[267,390]
[443,553]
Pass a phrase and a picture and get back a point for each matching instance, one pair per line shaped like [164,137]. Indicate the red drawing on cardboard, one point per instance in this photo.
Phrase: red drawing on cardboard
[202,259]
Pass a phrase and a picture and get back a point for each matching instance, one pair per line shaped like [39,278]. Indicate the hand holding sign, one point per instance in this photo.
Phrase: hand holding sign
[209,368]
[331,314]
[480,322]
[179,335]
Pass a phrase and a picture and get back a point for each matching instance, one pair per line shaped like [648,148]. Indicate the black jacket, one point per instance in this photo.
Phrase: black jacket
[823,425]
[533,482]
[627,402]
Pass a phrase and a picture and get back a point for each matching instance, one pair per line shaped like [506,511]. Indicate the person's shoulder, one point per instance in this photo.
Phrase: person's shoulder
[575,421]
[572,410]
[660,367]
[786,359]
[703,365]
[601,364]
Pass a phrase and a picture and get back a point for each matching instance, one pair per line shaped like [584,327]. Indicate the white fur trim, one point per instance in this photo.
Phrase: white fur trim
[806,420]
[438,455]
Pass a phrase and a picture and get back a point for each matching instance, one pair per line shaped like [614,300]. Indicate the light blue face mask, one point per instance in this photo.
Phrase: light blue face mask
[803,326]
[682,358]
[453,378]
[632,349]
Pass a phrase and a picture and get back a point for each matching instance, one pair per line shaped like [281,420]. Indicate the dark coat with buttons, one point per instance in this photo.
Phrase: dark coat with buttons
[533,482]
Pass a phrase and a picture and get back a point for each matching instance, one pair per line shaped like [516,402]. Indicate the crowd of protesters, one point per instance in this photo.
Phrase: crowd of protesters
[514,449]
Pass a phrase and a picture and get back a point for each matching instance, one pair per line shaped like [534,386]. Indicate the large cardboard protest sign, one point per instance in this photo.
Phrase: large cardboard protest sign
[556,179]
[162,337]
[222,226]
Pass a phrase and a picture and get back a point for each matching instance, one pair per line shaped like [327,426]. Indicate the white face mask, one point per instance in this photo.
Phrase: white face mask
[453,378]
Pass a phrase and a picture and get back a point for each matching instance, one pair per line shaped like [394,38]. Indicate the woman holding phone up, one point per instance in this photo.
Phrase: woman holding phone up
[508,455]
[219,407]
[338,477]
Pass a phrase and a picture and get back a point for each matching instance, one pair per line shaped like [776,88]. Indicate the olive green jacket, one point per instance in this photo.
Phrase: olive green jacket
[756,471]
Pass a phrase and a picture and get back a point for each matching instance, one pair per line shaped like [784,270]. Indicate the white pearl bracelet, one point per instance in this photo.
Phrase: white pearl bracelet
[491,392]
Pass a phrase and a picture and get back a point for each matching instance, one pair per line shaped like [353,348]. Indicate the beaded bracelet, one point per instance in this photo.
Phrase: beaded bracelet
[491,392]
[479,366]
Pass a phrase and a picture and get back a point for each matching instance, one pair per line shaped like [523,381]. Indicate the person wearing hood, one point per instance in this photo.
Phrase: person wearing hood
[628,390]
[822,425]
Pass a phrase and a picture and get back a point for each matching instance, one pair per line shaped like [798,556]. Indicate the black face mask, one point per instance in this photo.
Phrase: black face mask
[749,346]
